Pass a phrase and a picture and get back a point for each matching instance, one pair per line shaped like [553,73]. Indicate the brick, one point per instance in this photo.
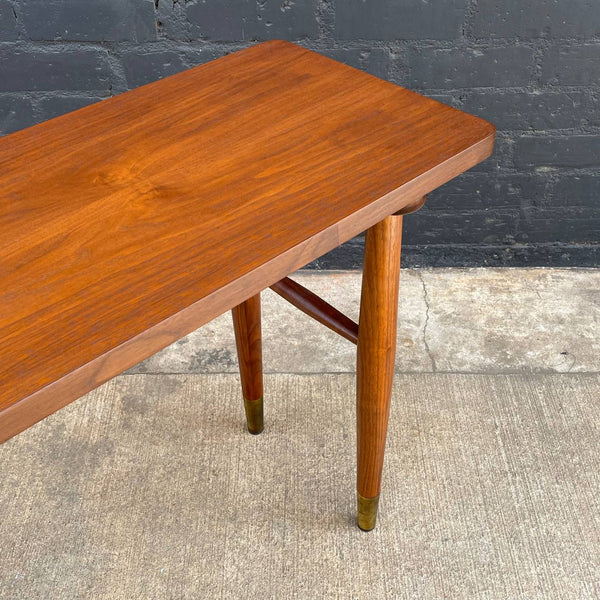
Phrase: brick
[572,65]
[542,18]
[481,190]
[445,68]
[399,71]
[393,20]
[100,20]
[15,113]
[172,20]
[577,190]
[566,225]
[8,22]
[375,61]
[461,227]
[55,106]
[567,151]
[39,70]
[144,67]
[537,111]
[236,20]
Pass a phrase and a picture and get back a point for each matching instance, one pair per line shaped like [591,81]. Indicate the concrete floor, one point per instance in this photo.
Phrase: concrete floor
[449,321]
[149,487]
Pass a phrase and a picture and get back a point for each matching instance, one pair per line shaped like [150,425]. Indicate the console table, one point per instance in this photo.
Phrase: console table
[127,224]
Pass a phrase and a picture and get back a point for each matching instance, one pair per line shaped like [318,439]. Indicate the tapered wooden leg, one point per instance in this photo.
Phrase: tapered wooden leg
[375,359]
[246,323]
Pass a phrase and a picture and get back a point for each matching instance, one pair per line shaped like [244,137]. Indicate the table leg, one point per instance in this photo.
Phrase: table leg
[246,323]
[375,359]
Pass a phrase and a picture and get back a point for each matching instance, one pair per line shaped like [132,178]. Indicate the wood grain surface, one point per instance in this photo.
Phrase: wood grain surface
[127,224]
[248,339]
[376,350]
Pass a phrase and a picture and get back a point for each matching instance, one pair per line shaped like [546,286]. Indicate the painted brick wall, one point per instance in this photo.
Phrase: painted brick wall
[532,68]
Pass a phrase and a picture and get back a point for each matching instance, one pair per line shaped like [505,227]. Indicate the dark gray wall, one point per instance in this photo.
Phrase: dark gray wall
[530,67]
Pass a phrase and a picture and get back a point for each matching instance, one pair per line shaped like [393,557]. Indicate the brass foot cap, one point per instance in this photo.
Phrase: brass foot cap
[367,512]
[254,415]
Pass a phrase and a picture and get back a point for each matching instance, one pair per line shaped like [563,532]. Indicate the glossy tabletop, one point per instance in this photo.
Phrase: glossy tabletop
[129,223]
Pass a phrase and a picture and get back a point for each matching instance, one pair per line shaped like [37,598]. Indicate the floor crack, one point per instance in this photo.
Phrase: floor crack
[426,344]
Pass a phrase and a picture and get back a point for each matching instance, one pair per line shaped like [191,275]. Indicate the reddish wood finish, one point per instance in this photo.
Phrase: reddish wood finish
[315,307]
[376,349]
[127,224]
[413,207]
[246,324]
